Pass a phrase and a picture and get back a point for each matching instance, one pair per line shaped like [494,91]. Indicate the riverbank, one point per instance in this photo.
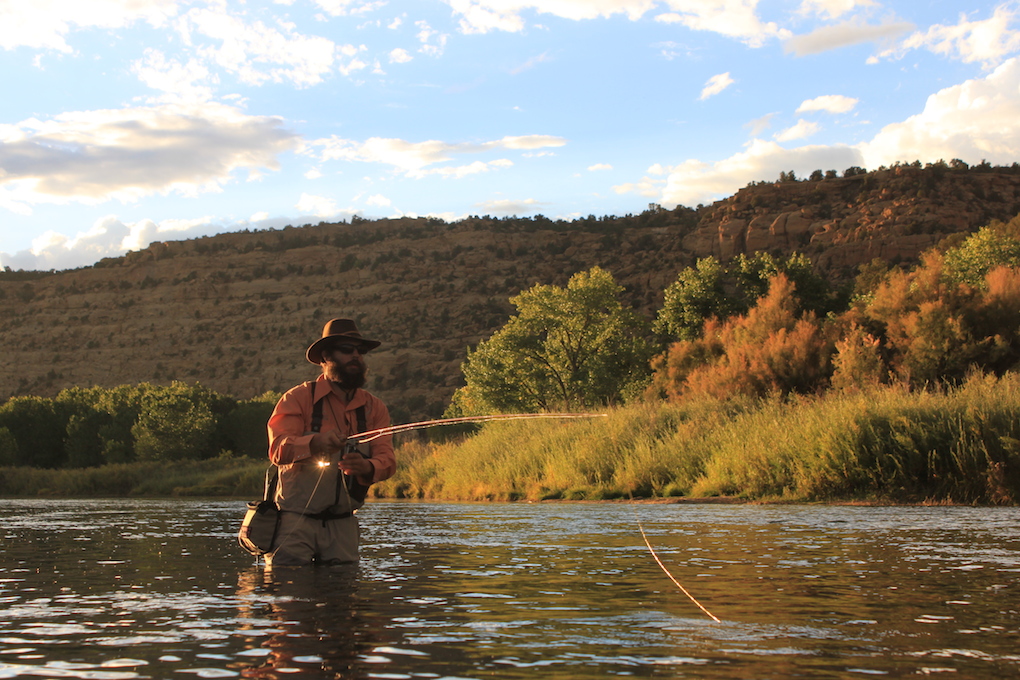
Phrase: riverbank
[959,445]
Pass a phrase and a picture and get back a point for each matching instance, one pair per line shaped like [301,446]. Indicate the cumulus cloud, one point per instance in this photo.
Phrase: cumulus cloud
[320,206]
[178,81]
[433,43]
[833,9]
[801,130]
[107,237]
[44,24]
[831,103]
[483,16]
[715,85]
[400,56]
[339,8]
[510,207]
[852,32]
[412,158]
[989,41]
[94,156]
[257,53]
[732,18]
[694,182]
[600,166]
[976,120]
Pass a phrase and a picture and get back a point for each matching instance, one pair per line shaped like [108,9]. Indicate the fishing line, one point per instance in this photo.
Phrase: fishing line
[663,567]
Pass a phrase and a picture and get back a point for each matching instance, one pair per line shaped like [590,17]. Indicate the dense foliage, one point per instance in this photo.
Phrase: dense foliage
[956,312]
[87,427]
[567,348]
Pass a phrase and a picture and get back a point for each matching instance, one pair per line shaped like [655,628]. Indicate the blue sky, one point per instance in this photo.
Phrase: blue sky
[129,121]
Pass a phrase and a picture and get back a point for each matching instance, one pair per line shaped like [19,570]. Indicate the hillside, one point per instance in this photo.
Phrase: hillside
[236,311]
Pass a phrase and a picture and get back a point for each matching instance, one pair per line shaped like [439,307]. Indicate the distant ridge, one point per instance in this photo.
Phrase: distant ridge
[236,311]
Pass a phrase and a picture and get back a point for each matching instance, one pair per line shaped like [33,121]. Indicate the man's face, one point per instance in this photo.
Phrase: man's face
[344,363]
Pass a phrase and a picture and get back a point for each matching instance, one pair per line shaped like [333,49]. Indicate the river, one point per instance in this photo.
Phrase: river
[119,589]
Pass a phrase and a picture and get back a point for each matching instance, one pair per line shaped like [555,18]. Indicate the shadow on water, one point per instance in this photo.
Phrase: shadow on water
[117,590]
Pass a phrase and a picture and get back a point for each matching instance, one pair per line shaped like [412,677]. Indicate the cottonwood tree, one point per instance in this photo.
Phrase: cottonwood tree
[566,348]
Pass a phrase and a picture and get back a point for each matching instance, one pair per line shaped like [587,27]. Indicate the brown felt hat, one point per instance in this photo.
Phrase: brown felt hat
[339,330]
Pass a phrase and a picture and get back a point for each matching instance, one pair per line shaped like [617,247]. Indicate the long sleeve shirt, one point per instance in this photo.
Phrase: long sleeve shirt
[303,485]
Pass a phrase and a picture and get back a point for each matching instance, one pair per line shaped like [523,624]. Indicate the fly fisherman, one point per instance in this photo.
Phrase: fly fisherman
[323,482]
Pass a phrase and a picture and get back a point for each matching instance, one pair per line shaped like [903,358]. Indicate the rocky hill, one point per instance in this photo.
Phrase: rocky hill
[235,312]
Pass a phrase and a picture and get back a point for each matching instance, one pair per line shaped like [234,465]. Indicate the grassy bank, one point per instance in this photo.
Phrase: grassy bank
[241,477]
[960,445]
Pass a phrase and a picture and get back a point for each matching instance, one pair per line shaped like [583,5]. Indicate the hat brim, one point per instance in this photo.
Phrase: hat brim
[314,352]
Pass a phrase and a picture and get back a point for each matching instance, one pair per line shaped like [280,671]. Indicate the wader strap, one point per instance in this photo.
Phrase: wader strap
[317,414]
[362,426]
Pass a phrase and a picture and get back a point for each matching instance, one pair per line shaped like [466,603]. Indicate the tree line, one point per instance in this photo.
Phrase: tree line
[88,427]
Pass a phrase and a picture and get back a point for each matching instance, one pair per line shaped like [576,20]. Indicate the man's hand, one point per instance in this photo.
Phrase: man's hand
[353,463]
[325,444]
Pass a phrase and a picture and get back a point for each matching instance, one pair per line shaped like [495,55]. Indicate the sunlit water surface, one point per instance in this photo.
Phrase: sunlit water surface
[118,589]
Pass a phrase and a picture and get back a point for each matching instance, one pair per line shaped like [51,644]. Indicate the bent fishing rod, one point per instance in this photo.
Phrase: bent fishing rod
[370,435]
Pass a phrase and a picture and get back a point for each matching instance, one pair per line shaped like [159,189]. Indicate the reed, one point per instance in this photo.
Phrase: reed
[957,445]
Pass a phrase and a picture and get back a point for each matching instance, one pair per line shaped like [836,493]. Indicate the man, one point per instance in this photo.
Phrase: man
[322,482]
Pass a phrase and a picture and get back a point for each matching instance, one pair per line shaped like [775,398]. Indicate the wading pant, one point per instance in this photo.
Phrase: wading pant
[304,540]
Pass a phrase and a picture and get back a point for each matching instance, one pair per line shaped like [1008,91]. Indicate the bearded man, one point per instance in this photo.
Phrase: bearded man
[322,481]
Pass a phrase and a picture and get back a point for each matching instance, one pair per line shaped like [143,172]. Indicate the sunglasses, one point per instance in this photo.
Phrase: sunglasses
[348,349]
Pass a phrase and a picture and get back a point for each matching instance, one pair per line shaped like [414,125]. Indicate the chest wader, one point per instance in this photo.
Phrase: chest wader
[348,484]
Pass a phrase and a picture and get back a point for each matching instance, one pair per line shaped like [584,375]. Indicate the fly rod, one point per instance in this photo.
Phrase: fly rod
[370,435]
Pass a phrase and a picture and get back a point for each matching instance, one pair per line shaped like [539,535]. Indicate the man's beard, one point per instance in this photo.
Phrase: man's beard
[349,376]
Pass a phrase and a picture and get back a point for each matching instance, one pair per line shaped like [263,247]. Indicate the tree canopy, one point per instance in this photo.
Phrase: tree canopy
[566,348]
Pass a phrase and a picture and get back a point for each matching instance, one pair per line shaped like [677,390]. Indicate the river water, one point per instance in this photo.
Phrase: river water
[118,589]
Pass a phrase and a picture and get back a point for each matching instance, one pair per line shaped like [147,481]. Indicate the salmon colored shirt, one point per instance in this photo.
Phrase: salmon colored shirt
[304,486]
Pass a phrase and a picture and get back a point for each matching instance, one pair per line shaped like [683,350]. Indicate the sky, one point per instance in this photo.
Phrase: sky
[124,122]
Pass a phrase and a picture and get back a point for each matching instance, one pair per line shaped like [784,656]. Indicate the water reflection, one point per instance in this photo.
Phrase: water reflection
[159,589]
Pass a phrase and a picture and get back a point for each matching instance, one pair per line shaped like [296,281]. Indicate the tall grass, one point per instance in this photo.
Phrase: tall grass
[955,445]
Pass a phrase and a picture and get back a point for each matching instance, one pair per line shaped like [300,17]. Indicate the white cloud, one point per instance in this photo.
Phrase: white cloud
[124,154]
[731,18]
[433,43]
[844,34]
[400,56]
[694,182]
[801,130]
[510,207]
[339,8]
[412,158]
[600,166]
[715,85]
[482,16]
[759,125]
[977,119]
[833,9]
[831,103]
[989,41]
[320,206]
[44,24]
[180,82]
[257,53]
[378,200]
[108,237]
